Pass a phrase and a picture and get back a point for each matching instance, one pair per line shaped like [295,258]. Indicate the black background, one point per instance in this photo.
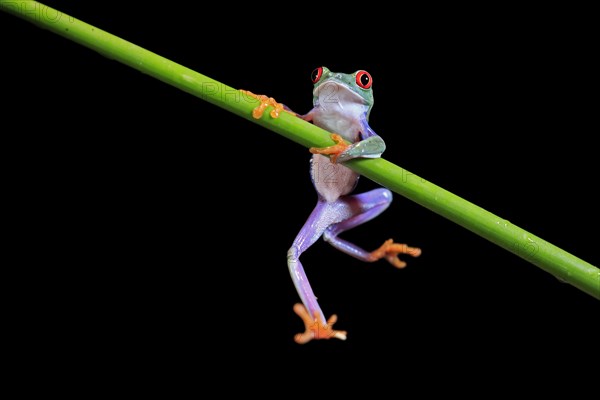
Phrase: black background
[166,220]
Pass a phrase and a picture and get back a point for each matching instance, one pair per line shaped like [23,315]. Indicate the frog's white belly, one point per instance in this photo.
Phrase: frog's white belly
[339,114]
[342,120]
[331,180]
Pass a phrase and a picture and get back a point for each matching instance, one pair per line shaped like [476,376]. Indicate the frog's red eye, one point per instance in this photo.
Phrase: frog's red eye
[316,74]
[363,79]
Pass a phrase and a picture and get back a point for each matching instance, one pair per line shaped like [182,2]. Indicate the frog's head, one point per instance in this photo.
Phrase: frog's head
[342,89]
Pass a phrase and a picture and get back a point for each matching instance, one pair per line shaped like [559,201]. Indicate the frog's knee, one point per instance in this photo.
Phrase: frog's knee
[329,235]
[385,194]
[293,253]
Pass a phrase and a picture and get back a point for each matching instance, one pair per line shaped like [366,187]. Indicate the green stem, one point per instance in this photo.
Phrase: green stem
[537,251]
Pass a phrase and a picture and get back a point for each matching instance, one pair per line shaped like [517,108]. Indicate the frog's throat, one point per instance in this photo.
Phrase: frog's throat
[332,88]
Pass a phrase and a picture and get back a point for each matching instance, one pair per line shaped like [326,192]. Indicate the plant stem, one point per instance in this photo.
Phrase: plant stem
[533,249]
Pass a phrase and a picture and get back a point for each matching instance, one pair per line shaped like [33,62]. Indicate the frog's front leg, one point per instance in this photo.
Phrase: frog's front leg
[371,147]
[335,150]
[266,101]
[316,327]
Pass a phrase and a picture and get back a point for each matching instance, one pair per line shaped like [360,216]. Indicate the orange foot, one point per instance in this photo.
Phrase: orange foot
[265,102]
[338,148]
[314,328]
[390,250]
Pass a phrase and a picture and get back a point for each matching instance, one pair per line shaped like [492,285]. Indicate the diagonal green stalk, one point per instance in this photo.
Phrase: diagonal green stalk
[539,252]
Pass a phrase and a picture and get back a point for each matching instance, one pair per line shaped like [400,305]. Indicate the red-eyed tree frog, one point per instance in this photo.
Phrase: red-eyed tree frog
[341,105]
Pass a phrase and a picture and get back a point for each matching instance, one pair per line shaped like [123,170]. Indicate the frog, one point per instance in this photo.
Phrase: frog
[342,103]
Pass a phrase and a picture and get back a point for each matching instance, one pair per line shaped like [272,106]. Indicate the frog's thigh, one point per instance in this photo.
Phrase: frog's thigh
[363,207]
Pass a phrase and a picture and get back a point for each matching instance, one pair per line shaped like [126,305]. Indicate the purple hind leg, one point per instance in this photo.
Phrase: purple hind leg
[317,327]
[329,219]
[367,206]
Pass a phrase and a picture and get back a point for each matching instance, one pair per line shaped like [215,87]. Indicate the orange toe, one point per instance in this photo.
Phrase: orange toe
[314,328]
[390,250]
[266,101]
[335,150]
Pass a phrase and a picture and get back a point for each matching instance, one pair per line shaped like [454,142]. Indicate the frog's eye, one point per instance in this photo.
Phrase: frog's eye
[363,79]
[316,74]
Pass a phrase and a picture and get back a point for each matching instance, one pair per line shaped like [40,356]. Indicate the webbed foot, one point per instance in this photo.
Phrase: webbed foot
[265,102]
[390,250]
[315,328]
[334,151]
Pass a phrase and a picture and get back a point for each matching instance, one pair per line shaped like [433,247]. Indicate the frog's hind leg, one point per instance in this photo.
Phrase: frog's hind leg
[316,326]
[366,206]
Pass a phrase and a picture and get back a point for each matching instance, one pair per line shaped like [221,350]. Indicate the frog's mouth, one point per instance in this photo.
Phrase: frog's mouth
[334,91]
